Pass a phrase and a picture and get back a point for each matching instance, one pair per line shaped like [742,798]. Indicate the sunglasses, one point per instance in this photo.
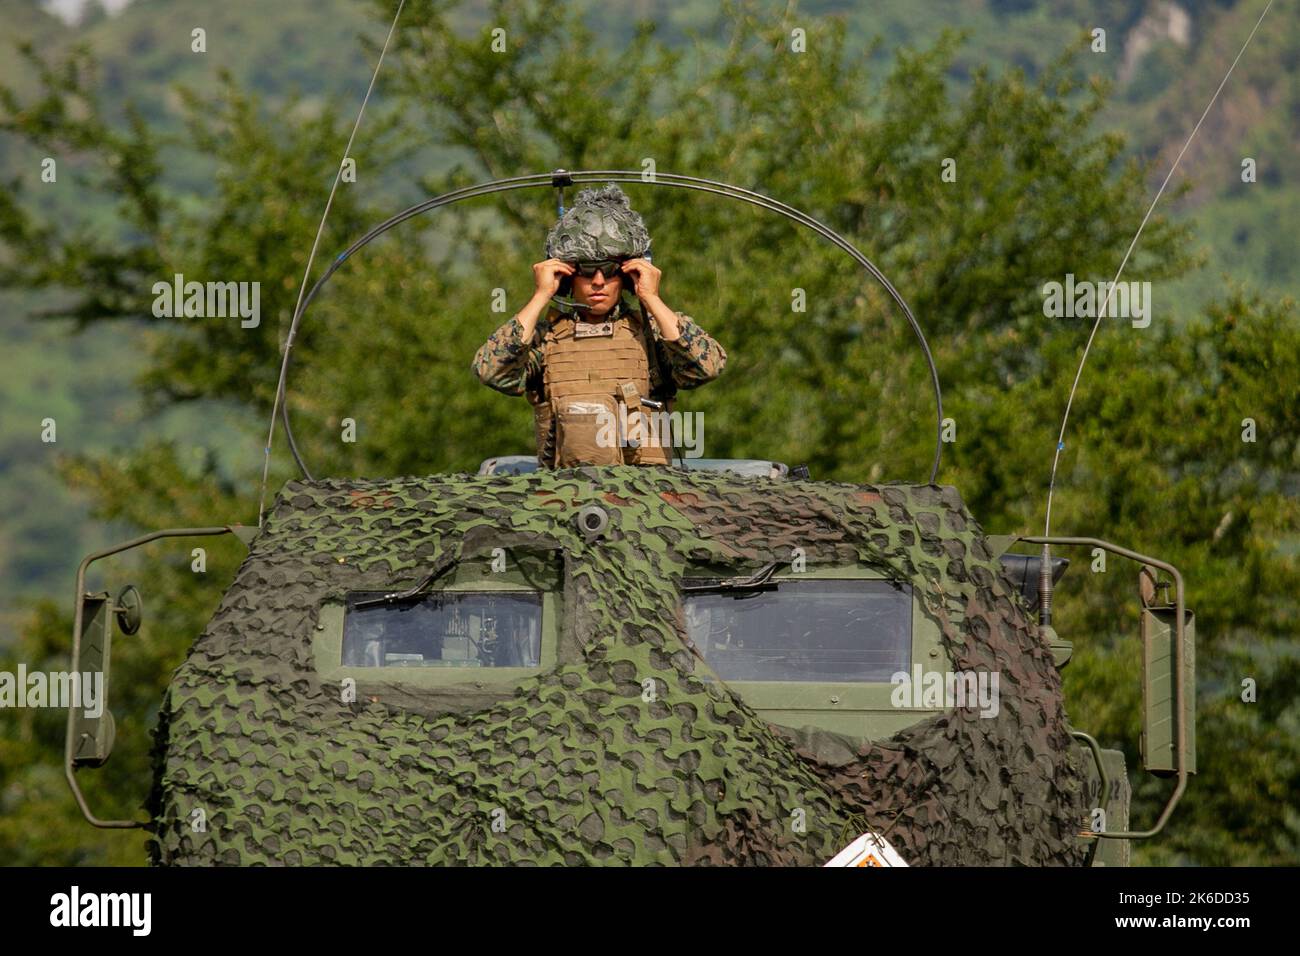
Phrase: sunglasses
[606,267]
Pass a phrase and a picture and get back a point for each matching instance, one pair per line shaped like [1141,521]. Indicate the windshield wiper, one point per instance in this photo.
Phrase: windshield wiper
[761,580]
[409,594]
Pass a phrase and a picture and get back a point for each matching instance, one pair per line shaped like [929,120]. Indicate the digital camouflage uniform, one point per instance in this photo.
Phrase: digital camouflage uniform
[509,365]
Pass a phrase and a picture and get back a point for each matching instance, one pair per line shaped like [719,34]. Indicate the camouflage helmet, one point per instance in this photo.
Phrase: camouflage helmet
[600,224]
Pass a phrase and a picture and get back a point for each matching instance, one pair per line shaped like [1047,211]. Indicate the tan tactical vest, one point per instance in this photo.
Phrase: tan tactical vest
[595,375]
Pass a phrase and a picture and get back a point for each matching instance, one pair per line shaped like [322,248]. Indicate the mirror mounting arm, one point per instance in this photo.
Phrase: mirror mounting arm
[1179,669]
[127,616]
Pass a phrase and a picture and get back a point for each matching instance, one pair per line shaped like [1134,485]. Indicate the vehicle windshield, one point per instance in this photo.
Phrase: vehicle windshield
[445,629]
[849,630]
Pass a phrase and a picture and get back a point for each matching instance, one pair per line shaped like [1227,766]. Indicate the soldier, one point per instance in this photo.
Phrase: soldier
[593,366]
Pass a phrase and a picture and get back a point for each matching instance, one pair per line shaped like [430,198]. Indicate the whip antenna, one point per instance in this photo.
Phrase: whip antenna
[311,258]
[1045,573]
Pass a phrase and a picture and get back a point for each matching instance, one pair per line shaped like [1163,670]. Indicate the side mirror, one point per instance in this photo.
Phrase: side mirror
[91,731]
[1168,669]
[1160,715]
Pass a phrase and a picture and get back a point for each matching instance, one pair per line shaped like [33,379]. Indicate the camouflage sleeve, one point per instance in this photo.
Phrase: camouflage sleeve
[505,362]
[695,357]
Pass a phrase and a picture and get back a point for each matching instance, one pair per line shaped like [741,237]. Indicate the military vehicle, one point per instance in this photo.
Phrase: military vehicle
[723,662]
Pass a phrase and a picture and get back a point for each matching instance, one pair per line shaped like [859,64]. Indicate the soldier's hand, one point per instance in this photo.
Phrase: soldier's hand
[547,276]
[645,275]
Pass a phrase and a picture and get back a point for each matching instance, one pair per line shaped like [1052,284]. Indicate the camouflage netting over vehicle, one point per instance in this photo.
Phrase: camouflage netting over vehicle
[584,768]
